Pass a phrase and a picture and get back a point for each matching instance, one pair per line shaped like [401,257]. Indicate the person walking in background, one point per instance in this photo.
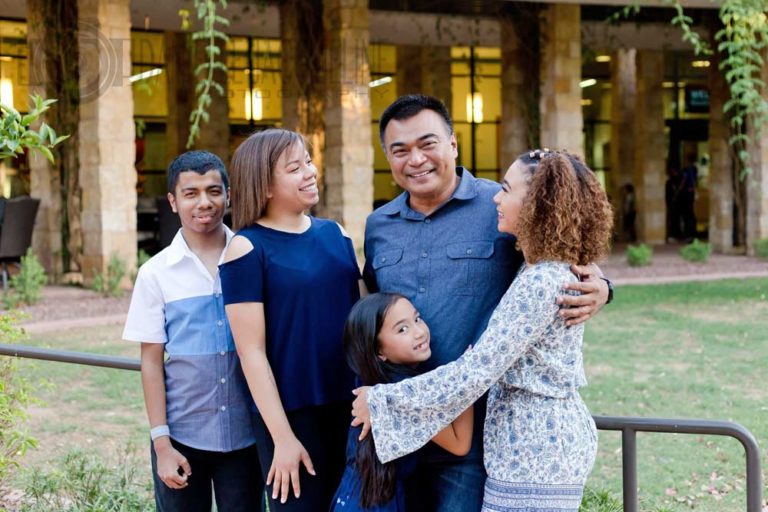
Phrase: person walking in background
[689,181]
[672,200]
[197,400]
[629,212]
[289,280]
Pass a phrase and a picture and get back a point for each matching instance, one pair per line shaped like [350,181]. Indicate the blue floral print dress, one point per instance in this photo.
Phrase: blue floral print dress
[539,438]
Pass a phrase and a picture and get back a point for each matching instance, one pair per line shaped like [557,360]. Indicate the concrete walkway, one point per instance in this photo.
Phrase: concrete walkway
[64,308]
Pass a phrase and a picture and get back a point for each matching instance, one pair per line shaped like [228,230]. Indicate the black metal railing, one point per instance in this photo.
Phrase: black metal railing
[628,426]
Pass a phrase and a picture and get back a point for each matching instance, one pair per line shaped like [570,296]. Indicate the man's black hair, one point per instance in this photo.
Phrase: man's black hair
[196,161]
[405,107]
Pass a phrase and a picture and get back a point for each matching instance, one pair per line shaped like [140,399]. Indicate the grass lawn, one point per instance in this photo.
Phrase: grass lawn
[696,350]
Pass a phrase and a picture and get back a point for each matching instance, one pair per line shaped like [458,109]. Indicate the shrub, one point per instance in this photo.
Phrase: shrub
[108,283]
[599,501]
[761,248]
[26,287]
[82,482]
[639,255]
[141,259]
[14,397]
[696,252]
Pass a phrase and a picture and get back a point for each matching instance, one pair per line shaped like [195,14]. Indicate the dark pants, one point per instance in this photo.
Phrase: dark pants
[323,432]
[689,217]
[234,477]
[446,486]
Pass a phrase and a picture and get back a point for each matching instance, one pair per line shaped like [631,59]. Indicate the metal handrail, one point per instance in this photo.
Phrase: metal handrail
[628,426]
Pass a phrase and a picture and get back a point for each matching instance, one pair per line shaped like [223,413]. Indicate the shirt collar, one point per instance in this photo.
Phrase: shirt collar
[466,190]
[179,249]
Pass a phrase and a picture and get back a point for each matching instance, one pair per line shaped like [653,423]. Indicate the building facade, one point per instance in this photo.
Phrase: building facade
[629,96]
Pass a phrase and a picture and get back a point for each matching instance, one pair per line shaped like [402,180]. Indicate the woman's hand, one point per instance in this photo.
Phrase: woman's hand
[362,416]
[286,461]
[169,460]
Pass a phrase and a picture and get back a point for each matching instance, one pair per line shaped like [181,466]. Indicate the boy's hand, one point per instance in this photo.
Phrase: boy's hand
[286,463]
[594,294]
[169,460]
[362,416]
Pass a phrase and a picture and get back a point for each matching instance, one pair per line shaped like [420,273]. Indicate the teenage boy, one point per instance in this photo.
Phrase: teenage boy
[198,403]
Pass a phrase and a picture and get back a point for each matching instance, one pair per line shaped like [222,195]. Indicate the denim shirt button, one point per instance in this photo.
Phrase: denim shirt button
[424,254]
[422,289]
[428,221]
[469,251]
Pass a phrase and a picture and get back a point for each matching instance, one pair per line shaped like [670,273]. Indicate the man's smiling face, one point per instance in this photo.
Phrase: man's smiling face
[422,152]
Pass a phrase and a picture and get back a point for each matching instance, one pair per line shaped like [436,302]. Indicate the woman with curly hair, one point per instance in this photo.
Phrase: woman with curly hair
[539,438]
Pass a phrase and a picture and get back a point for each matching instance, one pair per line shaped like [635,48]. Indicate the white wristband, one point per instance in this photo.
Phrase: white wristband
[159,431]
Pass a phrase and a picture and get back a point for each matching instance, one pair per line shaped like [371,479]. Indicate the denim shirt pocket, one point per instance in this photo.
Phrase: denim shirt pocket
[385,265]
[471,265]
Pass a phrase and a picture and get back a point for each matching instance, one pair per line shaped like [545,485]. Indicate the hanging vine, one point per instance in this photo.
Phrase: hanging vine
[740,41]
[206,12]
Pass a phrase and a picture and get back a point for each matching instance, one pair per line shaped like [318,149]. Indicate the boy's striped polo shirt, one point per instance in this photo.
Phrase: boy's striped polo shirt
[177,302]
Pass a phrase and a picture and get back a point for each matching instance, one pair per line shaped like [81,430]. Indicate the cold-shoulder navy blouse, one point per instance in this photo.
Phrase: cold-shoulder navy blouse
[308,282]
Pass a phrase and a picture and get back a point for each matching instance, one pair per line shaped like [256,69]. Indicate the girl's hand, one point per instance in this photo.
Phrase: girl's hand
[169,460]
[289,455]
[362,416]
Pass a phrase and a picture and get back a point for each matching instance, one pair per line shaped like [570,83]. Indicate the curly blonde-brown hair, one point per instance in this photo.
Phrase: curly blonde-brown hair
[565,215]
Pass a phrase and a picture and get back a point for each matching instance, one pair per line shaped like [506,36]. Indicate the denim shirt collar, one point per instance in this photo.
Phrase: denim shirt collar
[465,191]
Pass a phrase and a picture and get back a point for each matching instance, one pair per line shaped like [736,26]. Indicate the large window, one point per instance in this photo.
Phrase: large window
[383,90]
[476,109]
[14,90]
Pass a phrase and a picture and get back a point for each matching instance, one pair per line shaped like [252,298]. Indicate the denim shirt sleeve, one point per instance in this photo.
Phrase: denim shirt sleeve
[406,415]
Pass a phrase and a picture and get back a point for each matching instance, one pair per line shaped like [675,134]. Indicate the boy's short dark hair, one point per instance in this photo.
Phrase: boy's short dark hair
[196,161]
[405,107]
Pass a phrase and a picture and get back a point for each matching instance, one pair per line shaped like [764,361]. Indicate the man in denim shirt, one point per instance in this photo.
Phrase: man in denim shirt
[437,243]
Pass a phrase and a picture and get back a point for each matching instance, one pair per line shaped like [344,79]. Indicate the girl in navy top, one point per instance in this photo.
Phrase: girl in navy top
[384,341]
[289,280]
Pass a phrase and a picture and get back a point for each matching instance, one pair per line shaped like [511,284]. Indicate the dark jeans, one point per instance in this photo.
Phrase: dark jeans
[234,477]
[447,486]
[323,432]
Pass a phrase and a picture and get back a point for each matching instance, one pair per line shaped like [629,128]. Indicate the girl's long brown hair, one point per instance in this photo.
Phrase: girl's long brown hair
[251,173]
[361,347]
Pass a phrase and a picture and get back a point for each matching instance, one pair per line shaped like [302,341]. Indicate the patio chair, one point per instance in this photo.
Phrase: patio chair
[16,227]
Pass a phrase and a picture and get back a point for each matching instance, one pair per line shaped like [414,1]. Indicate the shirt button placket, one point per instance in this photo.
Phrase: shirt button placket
[423,265]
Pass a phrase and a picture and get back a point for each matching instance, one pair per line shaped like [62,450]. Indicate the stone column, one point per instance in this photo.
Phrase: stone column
[180,92]
[721,192]
[649,167]
[623,92]
[436,72]
[516,85]
[107,133]
[45,183]
[214,134]
[348,150]
[409,70]
[757,182]
[560,105]
[301,32]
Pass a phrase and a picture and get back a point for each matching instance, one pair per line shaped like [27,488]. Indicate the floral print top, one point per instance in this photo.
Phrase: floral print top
[526,346]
